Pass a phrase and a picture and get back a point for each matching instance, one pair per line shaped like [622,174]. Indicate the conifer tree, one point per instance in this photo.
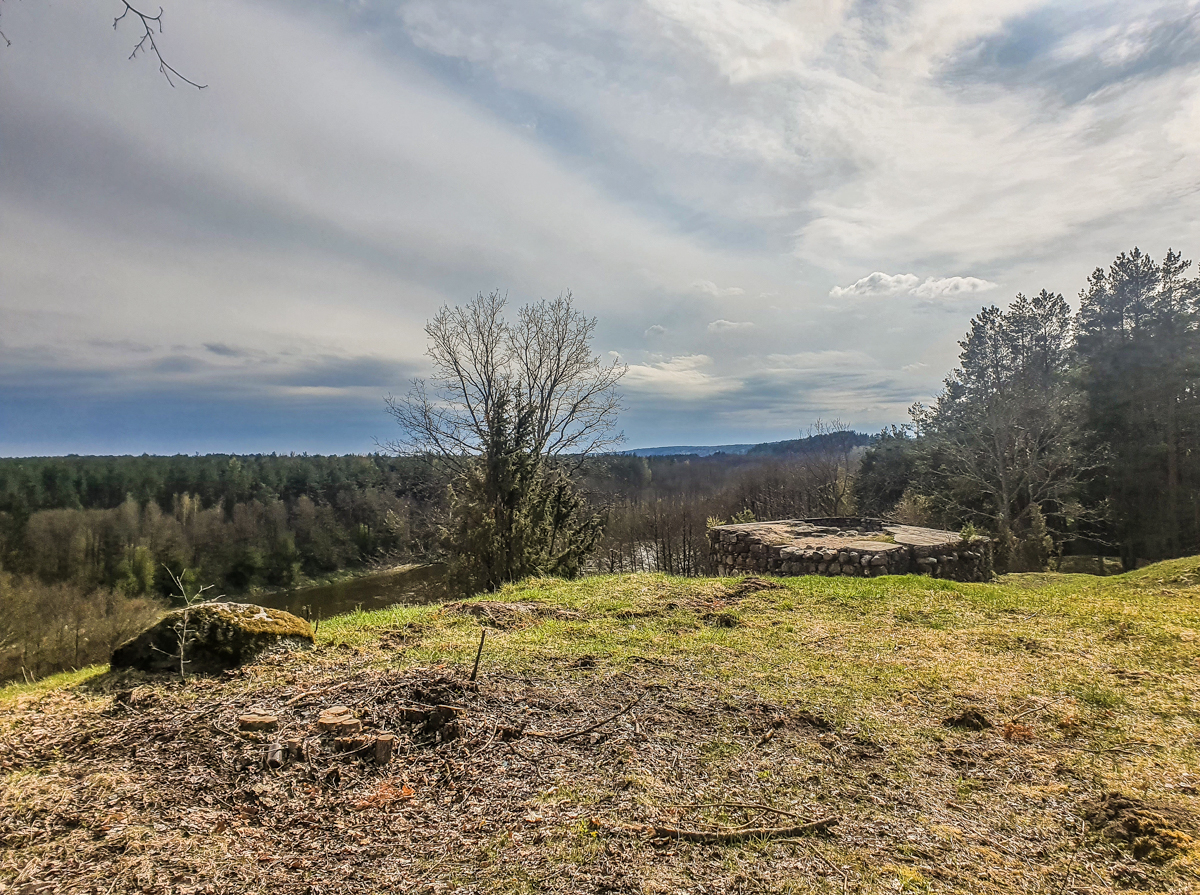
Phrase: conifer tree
[1139,348]
[1001,446]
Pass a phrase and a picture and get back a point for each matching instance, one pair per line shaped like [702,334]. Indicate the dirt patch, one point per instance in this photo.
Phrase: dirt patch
[968,720]
[512,778]
[1150,832]
[752,585]
[512,615]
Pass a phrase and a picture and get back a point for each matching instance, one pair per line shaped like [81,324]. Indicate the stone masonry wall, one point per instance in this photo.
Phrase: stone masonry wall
[847,546]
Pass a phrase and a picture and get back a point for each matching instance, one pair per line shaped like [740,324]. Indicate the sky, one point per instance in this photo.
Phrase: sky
[778,211]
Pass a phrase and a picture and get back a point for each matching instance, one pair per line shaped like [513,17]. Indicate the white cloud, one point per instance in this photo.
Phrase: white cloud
[822,360]
[682,376]
[878,283]
[721,326]
[950,287]
[940,288]
[708,287]
[654,331]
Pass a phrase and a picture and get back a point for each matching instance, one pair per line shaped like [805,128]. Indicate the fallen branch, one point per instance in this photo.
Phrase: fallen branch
[219,729]
[319,692]
[560,737]
[650,660]
[533,764]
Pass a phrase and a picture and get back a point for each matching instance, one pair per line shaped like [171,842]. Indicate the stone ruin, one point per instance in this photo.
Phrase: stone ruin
[841,546]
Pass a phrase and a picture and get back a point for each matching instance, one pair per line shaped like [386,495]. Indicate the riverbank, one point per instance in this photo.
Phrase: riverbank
[941,737]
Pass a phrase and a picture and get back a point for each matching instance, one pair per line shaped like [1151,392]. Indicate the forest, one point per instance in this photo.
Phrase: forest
[1059,433]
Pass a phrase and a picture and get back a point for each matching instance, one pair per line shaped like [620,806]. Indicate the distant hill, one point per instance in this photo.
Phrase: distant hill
[814,444]
[798,446]
[693,450]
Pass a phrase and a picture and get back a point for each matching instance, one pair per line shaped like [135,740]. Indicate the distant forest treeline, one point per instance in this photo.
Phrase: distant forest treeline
[234,522]
[245,522]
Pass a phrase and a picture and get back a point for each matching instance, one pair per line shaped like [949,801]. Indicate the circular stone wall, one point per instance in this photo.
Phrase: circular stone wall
[847,546]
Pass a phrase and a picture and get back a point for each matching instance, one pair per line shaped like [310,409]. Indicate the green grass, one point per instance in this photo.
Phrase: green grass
[856,641]
[858,644]
[50,683]
[1100,673]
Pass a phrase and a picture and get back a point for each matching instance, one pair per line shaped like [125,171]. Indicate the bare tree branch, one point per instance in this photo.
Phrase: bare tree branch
[147,44]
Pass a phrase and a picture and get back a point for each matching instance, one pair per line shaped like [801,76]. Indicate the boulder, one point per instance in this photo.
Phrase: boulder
[219,636]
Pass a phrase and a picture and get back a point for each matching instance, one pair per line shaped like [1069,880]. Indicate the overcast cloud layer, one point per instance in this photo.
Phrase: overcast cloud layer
[778,211]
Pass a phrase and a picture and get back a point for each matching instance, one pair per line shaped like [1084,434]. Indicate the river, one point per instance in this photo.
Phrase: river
[412,585]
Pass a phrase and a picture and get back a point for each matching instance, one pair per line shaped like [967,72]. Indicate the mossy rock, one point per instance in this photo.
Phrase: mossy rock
[219,636]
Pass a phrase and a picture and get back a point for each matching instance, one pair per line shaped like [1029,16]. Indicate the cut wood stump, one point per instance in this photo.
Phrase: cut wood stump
[332,718]
[384,744]
[257,721]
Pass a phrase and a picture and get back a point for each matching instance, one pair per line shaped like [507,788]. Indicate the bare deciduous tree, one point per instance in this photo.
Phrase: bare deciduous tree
[512,410]
[543,364]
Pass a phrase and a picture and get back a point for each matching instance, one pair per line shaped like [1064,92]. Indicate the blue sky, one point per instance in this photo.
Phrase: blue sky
[778,211]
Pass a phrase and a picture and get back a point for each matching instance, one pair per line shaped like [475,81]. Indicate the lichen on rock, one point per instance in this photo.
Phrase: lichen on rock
[219,636]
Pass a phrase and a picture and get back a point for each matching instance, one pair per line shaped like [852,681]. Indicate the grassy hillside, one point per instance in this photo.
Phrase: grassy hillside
[614,713]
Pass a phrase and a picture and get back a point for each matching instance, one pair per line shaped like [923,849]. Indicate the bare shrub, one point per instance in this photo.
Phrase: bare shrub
[45,628]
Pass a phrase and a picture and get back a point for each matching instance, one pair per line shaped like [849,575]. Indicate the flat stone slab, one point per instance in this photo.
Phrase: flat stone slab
[847,546]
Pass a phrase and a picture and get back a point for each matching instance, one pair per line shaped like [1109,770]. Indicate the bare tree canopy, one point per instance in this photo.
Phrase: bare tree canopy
[484,365]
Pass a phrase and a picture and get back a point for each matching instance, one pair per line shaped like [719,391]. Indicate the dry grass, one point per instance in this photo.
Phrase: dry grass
[825,698]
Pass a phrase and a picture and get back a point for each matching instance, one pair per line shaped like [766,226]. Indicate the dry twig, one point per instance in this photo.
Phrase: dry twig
[562,737]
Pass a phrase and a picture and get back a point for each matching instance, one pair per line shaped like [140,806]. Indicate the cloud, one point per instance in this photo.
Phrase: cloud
[679,377]
[710,288]
[878,283]
[822,360]
[177,363]
[721,326]
[649,155]
[223,350]
[126,346]
[950,287]
[932,288]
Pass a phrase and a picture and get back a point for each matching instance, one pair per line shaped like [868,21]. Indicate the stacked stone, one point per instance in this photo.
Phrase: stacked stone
[830,561]
[773,549]
[964,561]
